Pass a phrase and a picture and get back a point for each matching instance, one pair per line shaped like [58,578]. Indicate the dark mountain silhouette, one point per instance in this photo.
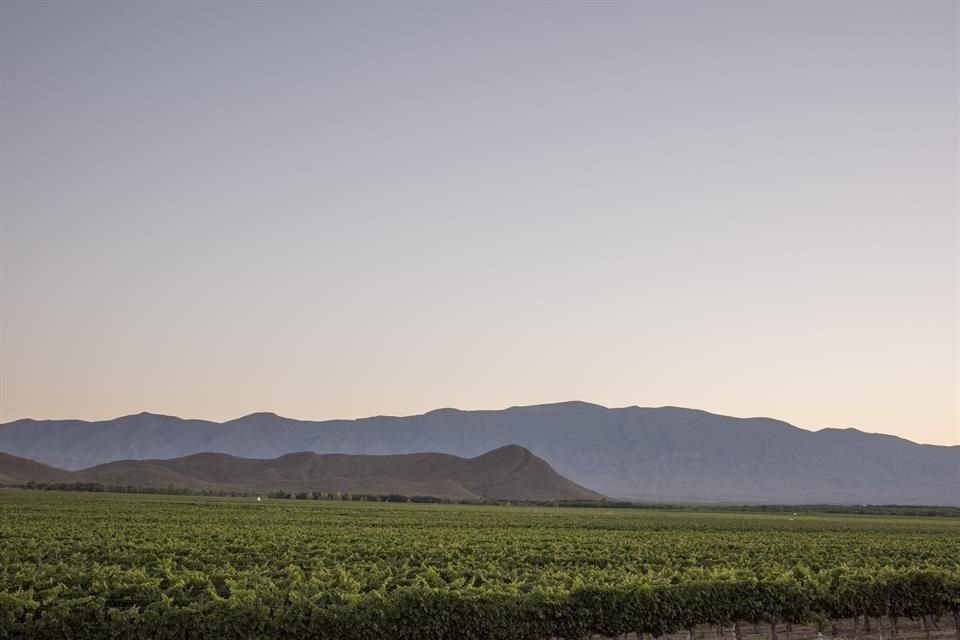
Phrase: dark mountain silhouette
[656,454]
[508,473]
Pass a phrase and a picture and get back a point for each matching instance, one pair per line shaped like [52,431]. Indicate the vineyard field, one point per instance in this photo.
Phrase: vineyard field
[89,565]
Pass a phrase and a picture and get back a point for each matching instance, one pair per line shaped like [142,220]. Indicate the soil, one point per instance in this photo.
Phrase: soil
[879,629]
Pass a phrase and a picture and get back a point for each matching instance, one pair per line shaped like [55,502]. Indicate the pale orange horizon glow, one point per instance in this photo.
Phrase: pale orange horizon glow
[338,210]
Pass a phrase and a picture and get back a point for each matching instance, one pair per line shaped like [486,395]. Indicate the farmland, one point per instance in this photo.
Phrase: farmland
[76,565]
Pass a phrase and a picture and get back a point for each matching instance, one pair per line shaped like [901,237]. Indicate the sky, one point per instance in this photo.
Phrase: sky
[336,210]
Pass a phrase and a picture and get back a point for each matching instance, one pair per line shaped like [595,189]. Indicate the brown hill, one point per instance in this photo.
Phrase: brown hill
[510,473]
[14,470]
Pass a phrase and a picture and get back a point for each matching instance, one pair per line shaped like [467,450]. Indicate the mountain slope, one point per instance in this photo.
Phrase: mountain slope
[511,473]
[15,470]
[665,453]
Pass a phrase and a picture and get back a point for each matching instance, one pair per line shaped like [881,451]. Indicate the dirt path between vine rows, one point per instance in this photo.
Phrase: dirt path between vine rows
[907,629]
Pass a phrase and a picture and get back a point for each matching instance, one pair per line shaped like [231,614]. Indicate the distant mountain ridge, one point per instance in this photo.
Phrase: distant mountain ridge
[655,454]
[507,473]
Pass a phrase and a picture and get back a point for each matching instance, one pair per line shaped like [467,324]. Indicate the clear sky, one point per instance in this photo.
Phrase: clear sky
[339,210]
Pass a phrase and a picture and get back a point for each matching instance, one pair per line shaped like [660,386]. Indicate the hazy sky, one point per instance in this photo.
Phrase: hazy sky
[339,210]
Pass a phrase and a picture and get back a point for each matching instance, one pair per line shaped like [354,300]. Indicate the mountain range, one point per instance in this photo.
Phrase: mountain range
[648,454]
[507,473]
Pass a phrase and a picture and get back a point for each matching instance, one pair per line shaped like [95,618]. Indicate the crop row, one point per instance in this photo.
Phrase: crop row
[193,606]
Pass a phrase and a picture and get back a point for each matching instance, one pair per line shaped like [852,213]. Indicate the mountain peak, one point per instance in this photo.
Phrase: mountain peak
[258,417]
[146,416]
[443,411]
[565,405]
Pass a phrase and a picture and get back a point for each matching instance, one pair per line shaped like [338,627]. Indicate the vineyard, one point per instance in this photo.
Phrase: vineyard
[76,565]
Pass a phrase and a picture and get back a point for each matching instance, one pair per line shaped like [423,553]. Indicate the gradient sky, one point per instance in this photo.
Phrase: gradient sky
[339,210]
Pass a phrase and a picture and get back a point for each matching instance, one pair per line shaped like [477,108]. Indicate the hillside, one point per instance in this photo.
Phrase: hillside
[15,470]
[657,454]
[509,473]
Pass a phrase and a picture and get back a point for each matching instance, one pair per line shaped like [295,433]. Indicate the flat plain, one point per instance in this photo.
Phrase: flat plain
[90,565]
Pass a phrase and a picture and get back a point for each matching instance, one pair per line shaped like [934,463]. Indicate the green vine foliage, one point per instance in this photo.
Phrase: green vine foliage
[99,566]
